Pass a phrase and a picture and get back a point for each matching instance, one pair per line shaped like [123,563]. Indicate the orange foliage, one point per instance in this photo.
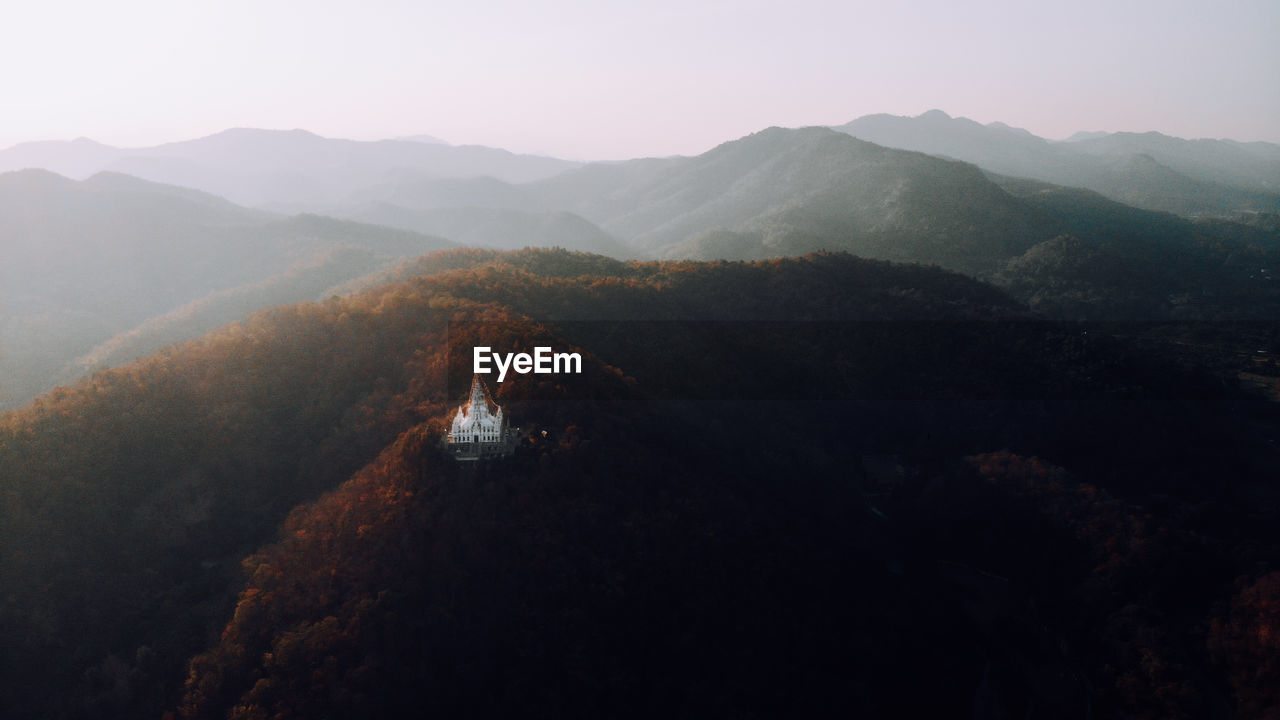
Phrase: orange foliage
[1247,641]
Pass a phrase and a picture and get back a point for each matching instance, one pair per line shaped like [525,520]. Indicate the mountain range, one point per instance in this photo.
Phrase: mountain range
[860,428]
[785,192]
[1148,170]
[100,271]
[395,181]
[284,169]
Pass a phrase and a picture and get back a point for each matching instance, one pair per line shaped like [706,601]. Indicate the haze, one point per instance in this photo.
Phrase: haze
[590,80]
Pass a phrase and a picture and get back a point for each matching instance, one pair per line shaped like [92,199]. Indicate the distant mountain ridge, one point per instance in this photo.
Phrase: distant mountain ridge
[777,192]
[102,270]
[298,171]
[266,167]
[1188,177]
[786,192]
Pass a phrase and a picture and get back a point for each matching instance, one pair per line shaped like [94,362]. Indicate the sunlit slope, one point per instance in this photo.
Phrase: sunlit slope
[81,262]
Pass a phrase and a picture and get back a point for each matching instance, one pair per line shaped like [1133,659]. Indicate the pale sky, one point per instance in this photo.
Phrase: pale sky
[598,79]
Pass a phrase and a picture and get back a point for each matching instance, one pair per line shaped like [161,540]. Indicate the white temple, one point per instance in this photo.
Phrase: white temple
[479,427]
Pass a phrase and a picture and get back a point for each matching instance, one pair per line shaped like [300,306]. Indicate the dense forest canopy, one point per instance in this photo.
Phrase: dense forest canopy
[786,486]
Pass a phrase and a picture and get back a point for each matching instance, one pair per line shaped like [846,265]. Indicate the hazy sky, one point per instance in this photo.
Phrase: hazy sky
[599,79]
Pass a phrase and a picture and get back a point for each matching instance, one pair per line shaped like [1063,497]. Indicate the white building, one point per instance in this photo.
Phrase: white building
[479,427]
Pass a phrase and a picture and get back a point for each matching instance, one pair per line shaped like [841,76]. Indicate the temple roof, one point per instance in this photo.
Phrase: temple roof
[480,394]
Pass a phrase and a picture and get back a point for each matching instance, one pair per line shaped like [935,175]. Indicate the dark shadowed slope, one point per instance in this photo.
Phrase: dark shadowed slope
[138,490]
[1116,261]
[755,499]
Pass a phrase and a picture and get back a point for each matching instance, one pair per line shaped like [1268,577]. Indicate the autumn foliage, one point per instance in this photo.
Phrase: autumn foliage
[753,502]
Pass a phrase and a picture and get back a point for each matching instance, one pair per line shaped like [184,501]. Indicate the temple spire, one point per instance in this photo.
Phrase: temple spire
[477,393]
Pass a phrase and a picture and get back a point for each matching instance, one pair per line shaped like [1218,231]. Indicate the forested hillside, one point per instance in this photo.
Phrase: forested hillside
[791,486]
[1118,262]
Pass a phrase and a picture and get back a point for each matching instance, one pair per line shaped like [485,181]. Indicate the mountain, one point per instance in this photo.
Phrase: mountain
[1114,261]
[778,192]
[415,192]
[1240,165]
[774,193]
[1152,171]
[498,228]
[423,138]
[769,478]
[318,276]
[1138,179]
[1086,135]
[786,192]
[77,158]
[996,147]
[83,261]
[289,169]
[393,182]
[789,192]
[114,284]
